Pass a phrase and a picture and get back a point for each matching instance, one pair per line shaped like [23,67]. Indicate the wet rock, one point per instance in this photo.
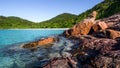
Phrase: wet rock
[46,41]
[67,32]
[43,42]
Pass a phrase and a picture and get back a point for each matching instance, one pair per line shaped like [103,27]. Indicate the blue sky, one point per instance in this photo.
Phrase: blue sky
[40,10]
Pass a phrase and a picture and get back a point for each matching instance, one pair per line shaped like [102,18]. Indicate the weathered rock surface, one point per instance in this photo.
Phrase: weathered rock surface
[46,41]
[113,34]
[82,28]
[99,53]
[61,63]
[113,21]
[92,53]
[97,43]
[99,26]
[42,42]
[108,33]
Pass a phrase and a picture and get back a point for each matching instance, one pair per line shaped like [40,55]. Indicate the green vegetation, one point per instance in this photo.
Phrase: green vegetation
[14,22]
[104,9]
[65,20]
[60,21]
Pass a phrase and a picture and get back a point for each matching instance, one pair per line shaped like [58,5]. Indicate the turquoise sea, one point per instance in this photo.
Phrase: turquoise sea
[9,37]
[13,56]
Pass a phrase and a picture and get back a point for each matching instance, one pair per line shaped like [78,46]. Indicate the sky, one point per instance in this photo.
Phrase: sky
[41,10]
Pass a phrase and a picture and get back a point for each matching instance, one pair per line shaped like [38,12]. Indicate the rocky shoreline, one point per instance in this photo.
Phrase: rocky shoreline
[95,44]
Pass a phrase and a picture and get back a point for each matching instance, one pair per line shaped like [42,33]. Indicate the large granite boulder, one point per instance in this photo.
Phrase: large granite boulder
[83,27]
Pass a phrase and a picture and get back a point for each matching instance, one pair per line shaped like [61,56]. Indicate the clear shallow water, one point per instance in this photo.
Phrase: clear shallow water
[15,57]
[8,37]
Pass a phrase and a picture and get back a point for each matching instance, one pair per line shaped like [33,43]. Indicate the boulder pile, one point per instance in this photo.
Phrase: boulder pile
[96,44]
[90,26]
[99,45]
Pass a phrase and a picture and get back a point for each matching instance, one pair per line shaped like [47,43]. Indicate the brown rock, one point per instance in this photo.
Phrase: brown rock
[82,28]
[113,34]
[29,45]
[106,62]
[67,32]
[108,33]
[42,42]
[46,41]
[61,63]
[99,26]
[112,21]
[102,53]
[92,16]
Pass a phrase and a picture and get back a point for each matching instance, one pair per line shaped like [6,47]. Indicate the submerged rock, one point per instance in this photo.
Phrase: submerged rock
[46,41]
[42,42]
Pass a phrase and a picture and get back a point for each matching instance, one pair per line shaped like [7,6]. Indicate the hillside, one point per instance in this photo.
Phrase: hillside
[14,22]
[61,21]
[104,9]
[65,20]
